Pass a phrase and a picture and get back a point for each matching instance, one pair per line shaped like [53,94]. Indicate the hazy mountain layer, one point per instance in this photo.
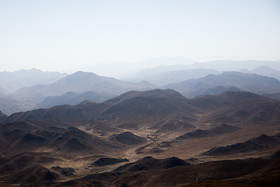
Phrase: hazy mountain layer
[89,86]
[81,83]
[71,98]
[265,71]
[246,82]
[160,76]
[12,81]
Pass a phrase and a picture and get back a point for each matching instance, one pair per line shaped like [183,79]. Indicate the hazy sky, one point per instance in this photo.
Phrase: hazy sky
[66,34]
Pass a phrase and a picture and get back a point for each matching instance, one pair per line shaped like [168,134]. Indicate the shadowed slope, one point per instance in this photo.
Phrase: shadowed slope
[262,142]
[21,137]
[222,129]
[128,138]
[148,105]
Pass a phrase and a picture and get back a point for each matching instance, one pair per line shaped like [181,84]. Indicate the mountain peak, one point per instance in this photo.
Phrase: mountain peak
[146,104]
[77,77]
[82,74]
[146,94]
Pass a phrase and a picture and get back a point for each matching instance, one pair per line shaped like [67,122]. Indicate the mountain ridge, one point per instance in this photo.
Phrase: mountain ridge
[246,82]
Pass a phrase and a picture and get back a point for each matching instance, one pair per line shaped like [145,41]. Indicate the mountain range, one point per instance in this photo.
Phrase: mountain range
[141,135]
[81,86]
[229,80]
[87,86]
[193,125]
[48,89]
[71,98]
[265,71]
[167,76]
[138,135]
[12,81]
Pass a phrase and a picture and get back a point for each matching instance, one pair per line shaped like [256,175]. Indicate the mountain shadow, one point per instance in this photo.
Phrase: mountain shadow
[262,142]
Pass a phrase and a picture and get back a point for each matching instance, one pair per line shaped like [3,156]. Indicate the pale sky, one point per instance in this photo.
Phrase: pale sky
[58,35]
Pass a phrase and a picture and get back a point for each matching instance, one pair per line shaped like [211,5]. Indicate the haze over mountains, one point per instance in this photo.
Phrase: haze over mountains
[47,89]
[140,93]
[184,128]
[12,81]
[80,82]
[134,125]
[181,72]
[229,80]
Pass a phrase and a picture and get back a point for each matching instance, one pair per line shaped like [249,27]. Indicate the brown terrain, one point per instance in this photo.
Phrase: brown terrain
[145,138]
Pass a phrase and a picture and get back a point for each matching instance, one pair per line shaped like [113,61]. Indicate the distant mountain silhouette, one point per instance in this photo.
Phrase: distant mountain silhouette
[266,71]
[9,105]
[83,83]
[247,82]
[71,98]
[13,81]
[164,77]
[235,65]
[79,82]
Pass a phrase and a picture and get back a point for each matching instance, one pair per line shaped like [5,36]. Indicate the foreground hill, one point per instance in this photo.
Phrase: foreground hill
[262,142]
[149,105]
[21,137]
[247,82]
[161,122]
[153,172]
[26,169]
[222,129]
